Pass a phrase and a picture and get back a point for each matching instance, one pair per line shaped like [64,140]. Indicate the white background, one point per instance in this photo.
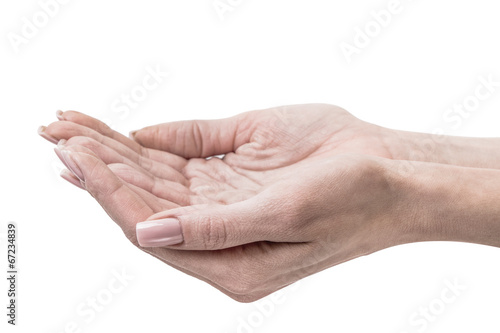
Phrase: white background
[263,54]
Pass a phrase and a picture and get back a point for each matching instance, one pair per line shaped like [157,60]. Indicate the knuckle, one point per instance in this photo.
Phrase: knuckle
[213,231]
[83,141]
[102,127]
[94,169]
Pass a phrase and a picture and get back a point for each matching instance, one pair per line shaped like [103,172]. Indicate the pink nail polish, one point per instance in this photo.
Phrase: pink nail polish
[71,164]
[59,154]
[43,134]
[67,175]
[159,233]
[59,115]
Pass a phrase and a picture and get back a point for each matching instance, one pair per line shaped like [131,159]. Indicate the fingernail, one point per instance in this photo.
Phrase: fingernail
[59,154]
[159,233]
[67,175]
[131,134]
[71,164]
[43,134]
[61,143]
[59,115]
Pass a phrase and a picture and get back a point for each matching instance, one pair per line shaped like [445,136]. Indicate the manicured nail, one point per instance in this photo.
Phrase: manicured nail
[59,154]
[59,115]
[71,164]
[57,150]
[43,134]
[67,175]
[61,143]
[157,233]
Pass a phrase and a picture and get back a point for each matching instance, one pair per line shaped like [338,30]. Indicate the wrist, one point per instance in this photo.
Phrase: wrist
[448,203]
[461,151]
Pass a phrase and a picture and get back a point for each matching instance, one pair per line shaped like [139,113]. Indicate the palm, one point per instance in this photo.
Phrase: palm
[284,140]
[279,142]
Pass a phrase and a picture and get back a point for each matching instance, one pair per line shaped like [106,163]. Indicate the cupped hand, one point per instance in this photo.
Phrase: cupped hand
[298,189]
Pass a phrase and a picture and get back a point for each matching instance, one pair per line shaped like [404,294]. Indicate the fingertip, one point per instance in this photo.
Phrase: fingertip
[41,131]
[68,176]
[71,162]
[60,115]
[131,134]
[62,143]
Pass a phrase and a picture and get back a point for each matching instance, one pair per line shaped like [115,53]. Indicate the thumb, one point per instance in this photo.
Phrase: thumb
[196,138]
[207,227]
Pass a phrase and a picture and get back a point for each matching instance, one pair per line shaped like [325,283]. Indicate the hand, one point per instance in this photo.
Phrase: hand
[132,182]
[283,203]
[259,147]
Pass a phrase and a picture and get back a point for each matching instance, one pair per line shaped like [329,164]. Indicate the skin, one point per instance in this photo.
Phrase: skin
[300,188]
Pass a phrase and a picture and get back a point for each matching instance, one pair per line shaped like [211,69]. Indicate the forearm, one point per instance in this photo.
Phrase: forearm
[449,203]
[461,151]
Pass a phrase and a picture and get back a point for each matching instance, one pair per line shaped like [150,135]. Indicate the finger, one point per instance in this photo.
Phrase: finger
[156,204]
[42,132]
[108,155]
[115,198]
[227,270]
[214,227]
[125,207]
[66,130]
[198,138]
[122,204]
[100,127]
[70,177]
[164,189]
